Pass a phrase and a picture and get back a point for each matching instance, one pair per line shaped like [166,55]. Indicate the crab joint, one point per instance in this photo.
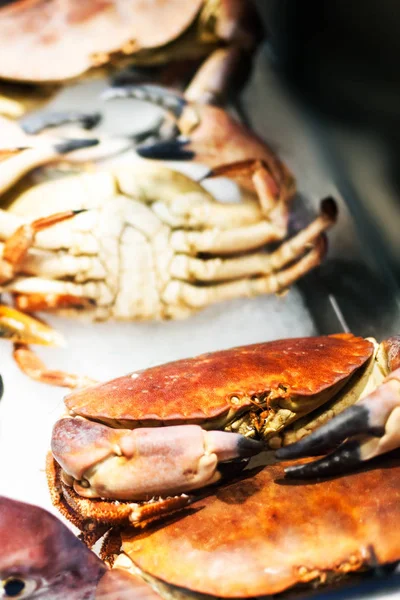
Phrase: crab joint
[173,459]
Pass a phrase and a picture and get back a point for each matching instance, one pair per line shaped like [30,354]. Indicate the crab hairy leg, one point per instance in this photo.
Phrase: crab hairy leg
[175,458]
[371,428]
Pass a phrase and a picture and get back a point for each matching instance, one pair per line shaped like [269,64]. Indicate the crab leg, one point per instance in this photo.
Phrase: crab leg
[375,421]
[18,327]
[235,240]
[16,166]
[17,246]
[34,368]
[187,267]
[212,80]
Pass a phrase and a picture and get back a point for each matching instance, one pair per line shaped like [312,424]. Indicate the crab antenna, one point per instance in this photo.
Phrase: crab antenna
[170,101]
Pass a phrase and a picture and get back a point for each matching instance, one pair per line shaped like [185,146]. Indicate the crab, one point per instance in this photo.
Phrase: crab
[188,423]
[256,537]
[41,558]
[197,130]
[69,38]
[151,243]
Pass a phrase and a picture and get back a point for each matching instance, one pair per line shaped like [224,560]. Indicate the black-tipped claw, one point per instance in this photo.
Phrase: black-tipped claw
[353,421]
[167,150]
[154,94]
[38,122]
[75,144]
[346,458]
[1,387]
[329,207]
[247,447]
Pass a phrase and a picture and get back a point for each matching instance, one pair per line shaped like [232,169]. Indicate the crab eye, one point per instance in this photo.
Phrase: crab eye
[17,587]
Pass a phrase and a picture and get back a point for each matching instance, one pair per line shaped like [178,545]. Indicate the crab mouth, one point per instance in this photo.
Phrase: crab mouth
[284,420]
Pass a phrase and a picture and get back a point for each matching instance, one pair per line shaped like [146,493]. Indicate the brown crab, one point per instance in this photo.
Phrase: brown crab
[64,39]
[210,135]
[257,537]
[177,422]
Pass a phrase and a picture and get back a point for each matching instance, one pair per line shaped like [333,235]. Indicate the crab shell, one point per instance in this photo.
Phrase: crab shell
[260,536]
[65,38]
[294,375]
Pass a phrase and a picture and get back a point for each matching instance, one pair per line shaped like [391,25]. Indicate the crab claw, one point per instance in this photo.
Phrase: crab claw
[375,421]
[110,463]
[202,132]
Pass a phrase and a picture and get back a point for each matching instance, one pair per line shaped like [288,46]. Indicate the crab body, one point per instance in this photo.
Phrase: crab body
[178,422]
[154,244]
[80,36]
[257,537]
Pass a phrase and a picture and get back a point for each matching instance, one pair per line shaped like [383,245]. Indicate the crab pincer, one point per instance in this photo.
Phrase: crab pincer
[205,133]
[367,429]
[109,463]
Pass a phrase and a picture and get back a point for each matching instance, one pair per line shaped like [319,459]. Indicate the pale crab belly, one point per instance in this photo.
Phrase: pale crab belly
[118,258]
[130,255]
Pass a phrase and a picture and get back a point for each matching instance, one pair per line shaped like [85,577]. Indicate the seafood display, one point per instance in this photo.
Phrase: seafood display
[177,422]
[267,468]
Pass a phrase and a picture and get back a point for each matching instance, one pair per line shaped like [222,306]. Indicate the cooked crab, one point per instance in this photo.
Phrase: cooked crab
[69,37]
[41,558]
[153,244]
[207,134]
[177,422]
[257,537]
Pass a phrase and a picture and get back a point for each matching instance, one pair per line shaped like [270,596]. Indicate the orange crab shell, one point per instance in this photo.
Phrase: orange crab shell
[261,535]
[210,385]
